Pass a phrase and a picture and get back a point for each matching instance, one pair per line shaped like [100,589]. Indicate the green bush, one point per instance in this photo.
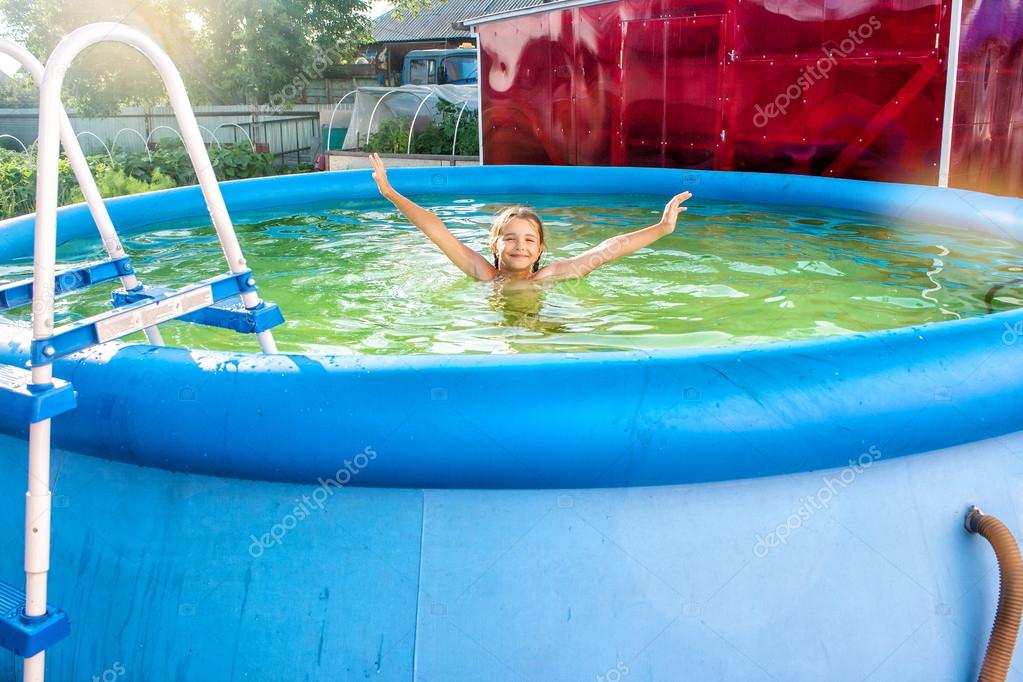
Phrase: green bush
[18,182]
[230,162]
[438,138]
[113,182]
[235,162]
[392,135]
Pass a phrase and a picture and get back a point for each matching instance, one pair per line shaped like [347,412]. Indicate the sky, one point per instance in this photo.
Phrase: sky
[379,7]
[9,66]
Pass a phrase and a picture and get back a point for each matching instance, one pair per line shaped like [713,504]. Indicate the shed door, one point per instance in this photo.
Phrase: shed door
[671,109]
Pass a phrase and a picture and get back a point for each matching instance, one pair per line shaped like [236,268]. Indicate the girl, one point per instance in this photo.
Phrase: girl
[517,239]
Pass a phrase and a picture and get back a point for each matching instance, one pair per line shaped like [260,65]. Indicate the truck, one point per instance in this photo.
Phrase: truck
[440,67]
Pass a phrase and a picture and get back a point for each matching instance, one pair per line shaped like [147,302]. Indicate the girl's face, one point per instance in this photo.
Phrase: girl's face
[518,246]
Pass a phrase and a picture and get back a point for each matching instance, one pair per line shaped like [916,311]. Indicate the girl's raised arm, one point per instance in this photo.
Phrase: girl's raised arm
[617,246]
[467,260]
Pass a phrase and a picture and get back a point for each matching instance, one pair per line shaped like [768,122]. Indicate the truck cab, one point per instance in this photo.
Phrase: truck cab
[456,66]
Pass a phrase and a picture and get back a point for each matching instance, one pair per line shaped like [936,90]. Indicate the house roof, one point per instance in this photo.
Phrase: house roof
[436,22]
[497,14]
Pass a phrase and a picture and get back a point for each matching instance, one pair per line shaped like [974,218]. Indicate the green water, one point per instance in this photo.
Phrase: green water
[357,278]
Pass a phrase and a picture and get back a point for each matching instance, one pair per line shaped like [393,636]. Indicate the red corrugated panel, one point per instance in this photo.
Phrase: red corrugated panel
[851,89]
[987,139]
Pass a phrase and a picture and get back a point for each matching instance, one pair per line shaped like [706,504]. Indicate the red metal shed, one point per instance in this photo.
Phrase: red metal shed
[844,88]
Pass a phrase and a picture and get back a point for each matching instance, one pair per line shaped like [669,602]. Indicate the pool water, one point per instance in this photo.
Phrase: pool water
[357,278]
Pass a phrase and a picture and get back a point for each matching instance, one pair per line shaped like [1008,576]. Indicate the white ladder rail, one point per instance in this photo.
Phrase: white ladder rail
[100,216]
[60,59]
[37,500]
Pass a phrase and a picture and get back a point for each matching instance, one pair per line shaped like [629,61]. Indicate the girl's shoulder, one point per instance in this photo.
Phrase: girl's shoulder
[558,270]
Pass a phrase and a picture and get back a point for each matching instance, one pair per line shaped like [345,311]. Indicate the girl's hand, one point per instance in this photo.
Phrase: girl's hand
[380,175]
[672,209]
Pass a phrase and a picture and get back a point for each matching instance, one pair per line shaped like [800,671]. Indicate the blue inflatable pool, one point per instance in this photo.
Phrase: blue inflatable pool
[786,511]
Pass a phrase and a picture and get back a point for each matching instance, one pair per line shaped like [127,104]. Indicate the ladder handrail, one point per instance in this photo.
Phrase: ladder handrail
[51,114]
[87,183]
[57,65]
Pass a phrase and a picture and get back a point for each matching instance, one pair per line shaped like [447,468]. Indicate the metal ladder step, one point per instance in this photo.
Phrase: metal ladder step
[17,294]
[148,311]
[229,313]
[28,635]
[24,401]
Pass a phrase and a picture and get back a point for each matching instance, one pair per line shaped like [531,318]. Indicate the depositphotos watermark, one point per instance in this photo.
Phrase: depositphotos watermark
[812,75]
[1012,333]
[813,504]
[304,506]
[111,673]
[614,674]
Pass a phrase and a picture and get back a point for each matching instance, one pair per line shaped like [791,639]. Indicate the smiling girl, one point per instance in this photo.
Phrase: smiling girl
[517,239]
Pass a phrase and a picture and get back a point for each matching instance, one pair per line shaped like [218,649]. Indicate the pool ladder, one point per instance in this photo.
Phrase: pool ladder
[28,626]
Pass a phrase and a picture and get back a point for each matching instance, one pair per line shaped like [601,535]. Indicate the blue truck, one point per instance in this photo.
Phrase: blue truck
[440,67]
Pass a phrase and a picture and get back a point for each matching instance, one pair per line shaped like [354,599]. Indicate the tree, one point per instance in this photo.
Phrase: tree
[19,91]
[409,8]
[106,76]
[265,51]
[228,51]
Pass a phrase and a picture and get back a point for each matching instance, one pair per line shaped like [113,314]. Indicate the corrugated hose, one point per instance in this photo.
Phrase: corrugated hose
[1002,642]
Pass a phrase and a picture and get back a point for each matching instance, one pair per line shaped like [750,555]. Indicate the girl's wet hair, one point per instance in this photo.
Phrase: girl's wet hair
[508,213]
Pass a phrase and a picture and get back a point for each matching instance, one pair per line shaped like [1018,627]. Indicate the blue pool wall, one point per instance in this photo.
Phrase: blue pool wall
[641,418]
[159,573]
[603,420]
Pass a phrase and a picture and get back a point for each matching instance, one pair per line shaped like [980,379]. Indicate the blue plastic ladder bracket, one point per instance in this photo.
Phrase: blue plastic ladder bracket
[170,304]
[230,313]
[24,635]
[18,294]
[26,402]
